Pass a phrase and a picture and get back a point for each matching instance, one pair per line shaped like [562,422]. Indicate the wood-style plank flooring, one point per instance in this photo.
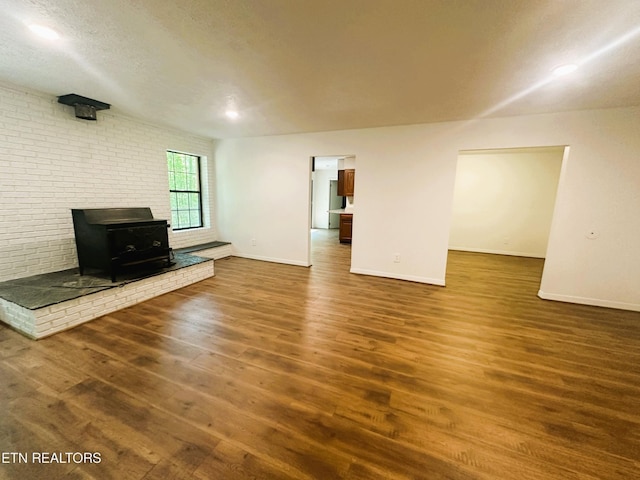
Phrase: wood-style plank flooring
[270,371]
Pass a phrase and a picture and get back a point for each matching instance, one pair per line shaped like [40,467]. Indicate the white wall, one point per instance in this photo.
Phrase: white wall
[51,162]
[503,200]
[405,186]
[262,199]
[321,194]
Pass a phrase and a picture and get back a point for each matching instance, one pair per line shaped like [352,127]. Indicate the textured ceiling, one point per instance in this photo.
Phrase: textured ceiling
[315,65]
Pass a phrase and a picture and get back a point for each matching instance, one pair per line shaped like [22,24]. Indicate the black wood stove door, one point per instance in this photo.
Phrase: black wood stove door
[138,242]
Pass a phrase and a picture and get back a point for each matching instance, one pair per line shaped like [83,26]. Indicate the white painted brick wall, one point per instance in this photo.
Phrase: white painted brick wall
[18,317]
[46,321]
[216,252]
[51,162]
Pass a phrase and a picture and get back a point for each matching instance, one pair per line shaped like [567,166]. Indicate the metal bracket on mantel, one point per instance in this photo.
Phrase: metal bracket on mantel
[85,107]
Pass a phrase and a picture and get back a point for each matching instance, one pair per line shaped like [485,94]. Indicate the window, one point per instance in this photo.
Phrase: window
[185,190]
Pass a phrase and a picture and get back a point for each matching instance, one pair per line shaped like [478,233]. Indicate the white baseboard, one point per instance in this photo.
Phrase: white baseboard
[409,278]
[286,261]
[497,252]
[596,302]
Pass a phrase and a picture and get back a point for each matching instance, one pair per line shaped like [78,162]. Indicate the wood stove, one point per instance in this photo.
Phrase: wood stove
[115,239]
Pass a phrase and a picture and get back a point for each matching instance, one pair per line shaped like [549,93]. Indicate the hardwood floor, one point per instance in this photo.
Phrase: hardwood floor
[270,371]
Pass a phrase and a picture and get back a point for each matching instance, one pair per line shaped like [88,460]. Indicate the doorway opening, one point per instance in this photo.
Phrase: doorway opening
[504,203]
[328,205]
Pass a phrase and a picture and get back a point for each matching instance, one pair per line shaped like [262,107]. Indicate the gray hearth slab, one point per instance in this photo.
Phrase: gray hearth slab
[39,291]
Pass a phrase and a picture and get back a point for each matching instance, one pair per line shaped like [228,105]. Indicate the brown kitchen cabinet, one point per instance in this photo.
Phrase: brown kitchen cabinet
[346,224]
[346,182]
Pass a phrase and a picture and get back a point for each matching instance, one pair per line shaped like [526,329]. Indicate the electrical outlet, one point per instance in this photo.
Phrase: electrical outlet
[253,242]
[396,258]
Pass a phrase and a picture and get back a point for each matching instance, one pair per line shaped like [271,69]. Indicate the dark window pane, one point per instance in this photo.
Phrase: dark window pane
[185,195]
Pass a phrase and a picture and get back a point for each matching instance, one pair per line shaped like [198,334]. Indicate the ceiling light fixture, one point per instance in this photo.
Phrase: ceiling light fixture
[44,32]
[232,114]
[615,44]
[564,69]
[231,111]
